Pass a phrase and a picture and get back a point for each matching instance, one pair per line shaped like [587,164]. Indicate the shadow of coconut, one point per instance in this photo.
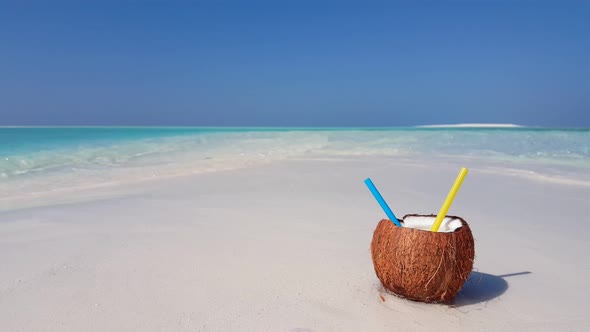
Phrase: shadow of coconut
[482,287]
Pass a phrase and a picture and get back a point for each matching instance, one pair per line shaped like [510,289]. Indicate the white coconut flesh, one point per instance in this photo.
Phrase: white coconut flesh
[425,222]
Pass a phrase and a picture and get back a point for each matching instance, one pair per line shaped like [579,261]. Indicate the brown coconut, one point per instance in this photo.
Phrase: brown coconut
[421,265]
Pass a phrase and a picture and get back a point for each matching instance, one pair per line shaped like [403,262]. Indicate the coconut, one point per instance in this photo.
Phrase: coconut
[421,265]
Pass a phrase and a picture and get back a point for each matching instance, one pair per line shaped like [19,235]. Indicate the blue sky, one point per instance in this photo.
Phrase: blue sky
[305,63]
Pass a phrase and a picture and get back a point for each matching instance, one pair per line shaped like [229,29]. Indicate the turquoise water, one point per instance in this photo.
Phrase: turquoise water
[45,158]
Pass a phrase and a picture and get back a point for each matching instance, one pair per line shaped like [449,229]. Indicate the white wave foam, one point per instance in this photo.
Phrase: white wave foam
[472,125]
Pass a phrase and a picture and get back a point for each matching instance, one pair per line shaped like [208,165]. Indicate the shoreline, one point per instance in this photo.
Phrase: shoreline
[535,173]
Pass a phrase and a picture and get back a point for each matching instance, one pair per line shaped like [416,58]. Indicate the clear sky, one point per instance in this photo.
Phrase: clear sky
[294,63]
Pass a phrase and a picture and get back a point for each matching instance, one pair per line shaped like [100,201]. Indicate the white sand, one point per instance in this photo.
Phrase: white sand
[285,247]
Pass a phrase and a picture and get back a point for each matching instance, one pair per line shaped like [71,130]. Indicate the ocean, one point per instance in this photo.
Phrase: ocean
[37,159]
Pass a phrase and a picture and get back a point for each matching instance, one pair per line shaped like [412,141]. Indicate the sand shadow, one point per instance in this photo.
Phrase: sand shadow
[483,287]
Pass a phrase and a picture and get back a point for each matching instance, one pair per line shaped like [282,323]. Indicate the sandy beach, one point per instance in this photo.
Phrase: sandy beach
[227,166]
[285,247]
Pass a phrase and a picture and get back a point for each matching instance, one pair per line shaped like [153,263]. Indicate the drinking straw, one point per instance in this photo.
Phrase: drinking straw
[382,202]
[449,200]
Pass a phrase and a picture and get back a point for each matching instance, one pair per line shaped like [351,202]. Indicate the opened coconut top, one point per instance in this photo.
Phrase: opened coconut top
[448,225]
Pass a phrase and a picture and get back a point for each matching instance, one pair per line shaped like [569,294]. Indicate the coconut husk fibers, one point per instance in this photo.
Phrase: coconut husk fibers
[422,265]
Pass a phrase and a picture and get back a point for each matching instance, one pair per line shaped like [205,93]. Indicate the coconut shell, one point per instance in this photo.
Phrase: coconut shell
[421,265]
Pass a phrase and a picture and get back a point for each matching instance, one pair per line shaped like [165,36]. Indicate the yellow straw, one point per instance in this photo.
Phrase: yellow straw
[449,200]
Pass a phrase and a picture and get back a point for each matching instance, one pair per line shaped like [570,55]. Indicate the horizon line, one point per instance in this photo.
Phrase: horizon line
[429,126]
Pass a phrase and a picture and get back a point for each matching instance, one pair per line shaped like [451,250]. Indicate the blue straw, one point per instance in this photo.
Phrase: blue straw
[382,202]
